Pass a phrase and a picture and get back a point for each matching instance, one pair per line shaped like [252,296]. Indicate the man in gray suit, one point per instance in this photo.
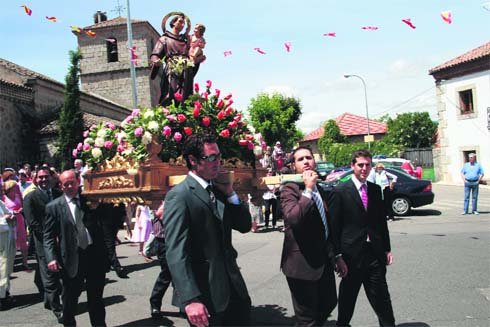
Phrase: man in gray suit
[199,216]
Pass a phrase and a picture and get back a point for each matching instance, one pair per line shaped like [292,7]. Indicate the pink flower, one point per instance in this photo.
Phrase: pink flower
[208,84]
[217,92]
[110,125]
[138,132]
[221,115]
[196,87]
[128,119]
[250,146]
[165,111]
[196,112]
[85,134]
[167,131]
[178,96]
[74,153]
[228,97]
[228,111]
[171,117]
[229,103]
[238,117]
[220,104]
[205,96]
[135,113]
[181,118]
[108,145]
[232,124]
[197,105]
[86,147]
[79,147]
[187,131]
[93,127]
[249,137]
[177,137]
[206,121]
[120,148]
[243,142]
[225,133]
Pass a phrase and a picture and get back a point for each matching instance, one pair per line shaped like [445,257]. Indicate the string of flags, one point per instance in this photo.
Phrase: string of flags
[446,16]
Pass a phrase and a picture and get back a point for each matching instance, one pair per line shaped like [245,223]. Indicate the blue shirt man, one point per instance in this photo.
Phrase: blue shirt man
[472,173]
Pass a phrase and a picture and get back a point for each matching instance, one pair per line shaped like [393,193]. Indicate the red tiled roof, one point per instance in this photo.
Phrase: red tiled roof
[477,53]
[113,22]
[351,125]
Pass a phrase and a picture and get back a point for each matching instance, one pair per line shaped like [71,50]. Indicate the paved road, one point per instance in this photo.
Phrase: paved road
[440,277]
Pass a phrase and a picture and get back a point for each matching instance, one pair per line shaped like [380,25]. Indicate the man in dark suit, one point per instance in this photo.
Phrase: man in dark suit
[361,242]
[113,218]
[200,213]
[307,252]
[74,245]
[48,282]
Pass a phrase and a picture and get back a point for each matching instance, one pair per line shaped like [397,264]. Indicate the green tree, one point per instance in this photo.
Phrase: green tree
[330,135]
[275,117]
[70,120]
[411,130]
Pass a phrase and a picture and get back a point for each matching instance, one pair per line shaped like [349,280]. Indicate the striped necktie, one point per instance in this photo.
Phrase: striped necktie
[364,197]
[315,196]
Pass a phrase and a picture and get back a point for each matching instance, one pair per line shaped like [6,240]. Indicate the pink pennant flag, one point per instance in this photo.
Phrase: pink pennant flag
[52,19]
[330,34]
[288,45]
[447,16]
[27,10]
[408,21]
[227,53]
[134,56]
[259,50]
[370,28]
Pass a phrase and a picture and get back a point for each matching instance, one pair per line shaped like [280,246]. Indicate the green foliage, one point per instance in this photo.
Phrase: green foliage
[275,117]
[70,120]
[331,135]
[412,130]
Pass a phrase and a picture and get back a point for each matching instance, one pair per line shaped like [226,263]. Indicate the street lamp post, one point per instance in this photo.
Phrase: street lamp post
[131,62]
[367,111]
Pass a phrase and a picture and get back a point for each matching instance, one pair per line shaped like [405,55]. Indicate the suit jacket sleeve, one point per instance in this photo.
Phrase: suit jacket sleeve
[32,220]
[295,207]
[239,215]
[336,219]
[51,233]
[178,245]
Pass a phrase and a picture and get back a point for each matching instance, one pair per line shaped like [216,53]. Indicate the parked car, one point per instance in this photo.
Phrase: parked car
[323,168]
[336,172]
[409,192]
[404,164]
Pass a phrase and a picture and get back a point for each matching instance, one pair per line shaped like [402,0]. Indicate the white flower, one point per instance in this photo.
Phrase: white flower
[89,140]
[99,142]
[121,135]
[124,124]
[96,152]
[153,126]
[102,132]
[146,138]
[148,114]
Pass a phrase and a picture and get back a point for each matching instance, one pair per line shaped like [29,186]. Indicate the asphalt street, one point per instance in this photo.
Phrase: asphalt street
[440,276]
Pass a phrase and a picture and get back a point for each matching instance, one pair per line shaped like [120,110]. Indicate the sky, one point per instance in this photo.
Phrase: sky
[393,60]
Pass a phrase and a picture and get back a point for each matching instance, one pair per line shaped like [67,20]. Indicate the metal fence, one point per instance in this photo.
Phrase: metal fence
[419,157]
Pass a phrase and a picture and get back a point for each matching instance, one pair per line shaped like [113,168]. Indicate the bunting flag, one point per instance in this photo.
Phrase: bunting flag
[408,21]
[134,56]
[76,29]
[52,19]
[447,16]
[227,53]
[90,33]
[370,28]
[288,45]
[330,34]
[27,10]
[259,50]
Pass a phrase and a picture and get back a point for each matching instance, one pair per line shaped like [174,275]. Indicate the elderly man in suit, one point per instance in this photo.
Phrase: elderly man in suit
[74,245]
[48,282]
[200,213]
[307,251]
[361,242]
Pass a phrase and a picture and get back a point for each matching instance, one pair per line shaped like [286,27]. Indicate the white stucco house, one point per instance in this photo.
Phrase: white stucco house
[463,105]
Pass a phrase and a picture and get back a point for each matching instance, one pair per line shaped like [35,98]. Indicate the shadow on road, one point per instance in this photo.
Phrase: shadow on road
[425,212]
[270,315]
[140,266]
[26,300]
[150,322]
[110,300]
[413,324]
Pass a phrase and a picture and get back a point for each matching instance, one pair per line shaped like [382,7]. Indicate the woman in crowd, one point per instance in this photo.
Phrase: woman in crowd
[7,251]
[142,227]
[387,182]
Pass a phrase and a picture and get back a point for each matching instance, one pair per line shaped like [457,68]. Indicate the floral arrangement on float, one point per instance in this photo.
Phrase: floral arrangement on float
[203,112]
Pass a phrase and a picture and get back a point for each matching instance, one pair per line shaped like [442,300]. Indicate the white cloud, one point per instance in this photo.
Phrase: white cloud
[281,89]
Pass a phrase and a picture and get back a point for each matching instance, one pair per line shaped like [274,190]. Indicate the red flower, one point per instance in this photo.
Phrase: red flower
[243,142]
[205,96]
[229,103]
[206,121]
[228,111]
[197,104]
[221,115]
[187,131]
[238,117]
[178,96]
[196,112]
[232,124]
[181,118]
[249,137]
[208,84]
[225,133]
[220,104]
[228,97]
[217,92]
[196,87]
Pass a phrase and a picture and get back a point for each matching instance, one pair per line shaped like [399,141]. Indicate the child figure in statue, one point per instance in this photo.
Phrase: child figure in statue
[197,44]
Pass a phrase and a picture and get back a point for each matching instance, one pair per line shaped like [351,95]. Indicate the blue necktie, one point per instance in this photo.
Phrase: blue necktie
[315,196]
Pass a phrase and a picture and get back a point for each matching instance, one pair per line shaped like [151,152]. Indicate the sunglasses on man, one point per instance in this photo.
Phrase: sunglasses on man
[212,157]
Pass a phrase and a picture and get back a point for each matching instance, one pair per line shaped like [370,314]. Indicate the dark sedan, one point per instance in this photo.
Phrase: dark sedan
[409,192]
